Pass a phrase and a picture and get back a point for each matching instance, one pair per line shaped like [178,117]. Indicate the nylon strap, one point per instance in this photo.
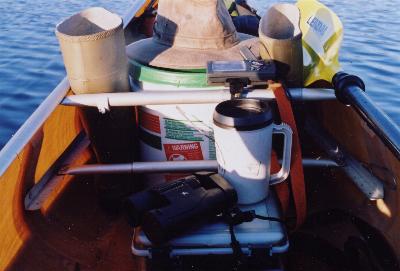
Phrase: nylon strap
[296,168]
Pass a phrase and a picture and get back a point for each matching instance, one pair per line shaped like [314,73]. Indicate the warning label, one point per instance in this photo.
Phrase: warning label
[181,152]
[184,151]
[149,122]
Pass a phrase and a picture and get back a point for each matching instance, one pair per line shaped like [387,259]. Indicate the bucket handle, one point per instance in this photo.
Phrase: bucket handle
[283,173]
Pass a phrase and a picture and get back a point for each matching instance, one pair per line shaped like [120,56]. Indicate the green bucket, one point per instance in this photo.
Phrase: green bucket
[177,78]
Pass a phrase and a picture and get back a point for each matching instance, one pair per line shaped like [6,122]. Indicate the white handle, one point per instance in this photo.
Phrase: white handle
[287,153]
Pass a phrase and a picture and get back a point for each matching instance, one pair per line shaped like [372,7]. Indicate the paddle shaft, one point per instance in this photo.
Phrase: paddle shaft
[349,89]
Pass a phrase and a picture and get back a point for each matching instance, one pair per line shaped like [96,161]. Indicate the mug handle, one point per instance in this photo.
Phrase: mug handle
[283,173]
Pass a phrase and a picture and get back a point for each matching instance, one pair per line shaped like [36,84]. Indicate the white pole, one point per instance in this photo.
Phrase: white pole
[103,101]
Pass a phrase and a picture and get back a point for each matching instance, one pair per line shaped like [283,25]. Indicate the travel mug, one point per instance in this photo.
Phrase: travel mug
[243,131]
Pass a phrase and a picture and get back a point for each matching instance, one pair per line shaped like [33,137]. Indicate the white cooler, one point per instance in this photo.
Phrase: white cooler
[216,239]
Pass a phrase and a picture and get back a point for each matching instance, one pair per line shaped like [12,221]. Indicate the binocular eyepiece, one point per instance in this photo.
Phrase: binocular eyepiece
[167,210]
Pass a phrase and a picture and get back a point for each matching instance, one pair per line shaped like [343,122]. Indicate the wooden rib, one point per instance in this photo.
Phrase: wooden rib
[51,182]
[59,131]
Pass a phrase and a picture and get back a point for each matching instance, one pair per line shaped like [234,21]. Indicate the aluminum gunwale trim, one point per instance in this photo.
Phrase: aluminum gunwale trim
[25,133]
[376,118]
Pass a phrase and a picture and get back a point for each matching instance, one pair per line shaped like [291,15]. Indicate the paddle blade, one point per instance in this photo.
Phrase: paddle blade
[322,36]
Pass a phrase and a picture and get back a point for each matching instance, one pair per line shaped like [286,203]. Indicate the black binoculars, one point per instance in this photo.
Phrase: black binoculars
[170,209]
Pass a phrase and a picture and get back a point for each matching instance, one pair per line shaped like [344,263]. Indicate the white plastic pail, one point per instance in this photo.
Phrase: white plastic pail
[176,133]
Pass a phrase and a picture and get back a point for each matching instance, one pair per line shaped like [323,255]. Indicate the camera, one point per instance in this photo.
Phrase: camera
[172,208]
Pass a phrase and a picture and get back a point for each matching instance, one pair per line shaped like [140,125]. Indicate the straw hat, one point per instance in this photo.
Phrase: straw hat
[188,33]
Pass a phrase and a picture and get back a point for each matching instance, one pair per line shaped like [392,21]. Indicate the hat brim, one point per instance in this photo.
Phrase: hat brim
[149,52]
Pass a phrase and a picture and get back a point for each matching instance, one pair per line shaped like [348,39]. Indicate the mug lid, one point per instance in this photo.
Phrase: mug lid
[242,114]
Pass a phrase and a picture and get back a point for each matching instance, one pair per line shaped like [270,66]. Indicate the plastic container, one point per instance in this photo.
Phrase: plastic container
[93,47]
[215,239]
[173,132]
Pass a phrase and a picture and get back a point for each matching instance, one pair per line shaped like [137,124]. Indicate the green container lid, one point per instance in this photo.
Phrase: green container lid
[178,78]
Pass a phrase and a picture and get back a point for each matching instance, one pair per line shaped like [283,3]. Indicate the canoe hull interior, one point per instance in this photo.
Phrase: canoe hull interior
[73,231]
[69,230]
[351,132]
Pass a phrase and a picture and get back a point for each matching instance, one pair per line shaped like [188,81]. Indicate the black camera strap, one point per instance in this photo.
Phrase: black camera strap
[234,217]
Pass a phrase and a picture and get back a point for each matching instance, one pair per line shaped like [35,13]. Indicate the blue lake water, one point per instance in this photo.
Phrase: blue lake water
[31,64]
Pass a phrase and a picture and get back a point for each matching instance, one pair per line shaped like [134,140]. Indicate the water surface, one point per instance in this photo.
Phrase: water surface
[31,64]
